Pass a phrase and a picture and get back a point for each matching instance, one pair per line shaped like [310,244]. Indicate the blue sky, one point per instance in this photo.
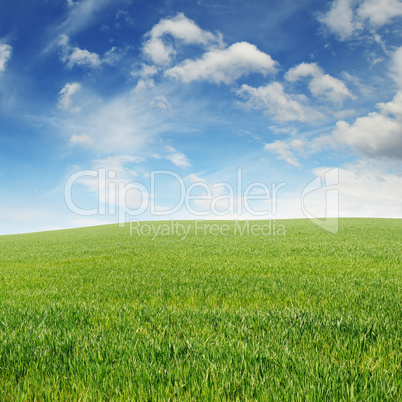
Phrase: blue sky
[282,90]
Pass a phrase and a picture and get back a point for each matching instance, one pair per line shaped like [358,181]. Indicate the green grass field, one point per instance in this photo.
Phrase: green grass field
[97,314]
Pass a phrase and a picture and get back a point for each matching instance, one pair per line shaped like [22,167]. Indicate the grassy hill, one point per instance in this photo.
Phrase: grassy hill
[97,313]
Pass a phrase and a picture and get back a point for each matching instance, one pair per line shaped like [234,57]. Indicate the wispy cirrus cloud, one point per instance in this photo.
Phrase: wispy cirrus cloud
[285,150]
[112,126]
[81,13]
[177,158]
[282,106]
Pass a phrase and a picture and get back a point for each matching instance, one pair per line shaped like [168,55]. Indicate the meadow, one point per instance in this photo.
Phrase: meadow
[99,314]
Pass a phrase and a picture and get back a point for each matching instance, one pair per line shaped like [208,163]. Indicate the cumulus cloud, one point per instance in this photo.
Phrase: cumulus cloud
[5,55]
[380,12]
[340,19]
[346,17]
[180,28]
[285,150]
[321,84]
[396,66]
[82,58]
[177,158]
[377,135]
[65,97]
[275,101]
[74,56]
[224,65]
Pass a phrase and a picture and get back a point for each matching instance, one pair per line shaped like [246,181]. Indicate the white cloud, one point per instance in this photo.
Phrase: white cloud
[81,13]
[83,140]
[275,101]
[5,55]
[74,56]
[145,72]
[113,56]
[181,28]
[347,17]
[118,164]
[365,190]
[177,158]
[377,135]
[286,150]
[224,65]
[321,84]
[369,190]
[144,84]
[396,66]
[82,58]
[161,103]
[158,51]
[340,19]
[125,123]
[65,97]
[380,12]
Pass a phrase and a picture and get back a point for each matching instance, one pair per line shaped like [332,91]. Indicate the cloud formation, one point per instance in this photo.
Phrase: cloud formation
[81,13]
[396,66]
[347,17]
[177,158]
[5,55]
[161,103]
[379,12]
[275,101]
[321,84]
[340,19]
[184,30]
[377,135]
[83,140]
[125,123]
[367,189]
[286,150]
[74,56]
[65,97]
[224,65]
